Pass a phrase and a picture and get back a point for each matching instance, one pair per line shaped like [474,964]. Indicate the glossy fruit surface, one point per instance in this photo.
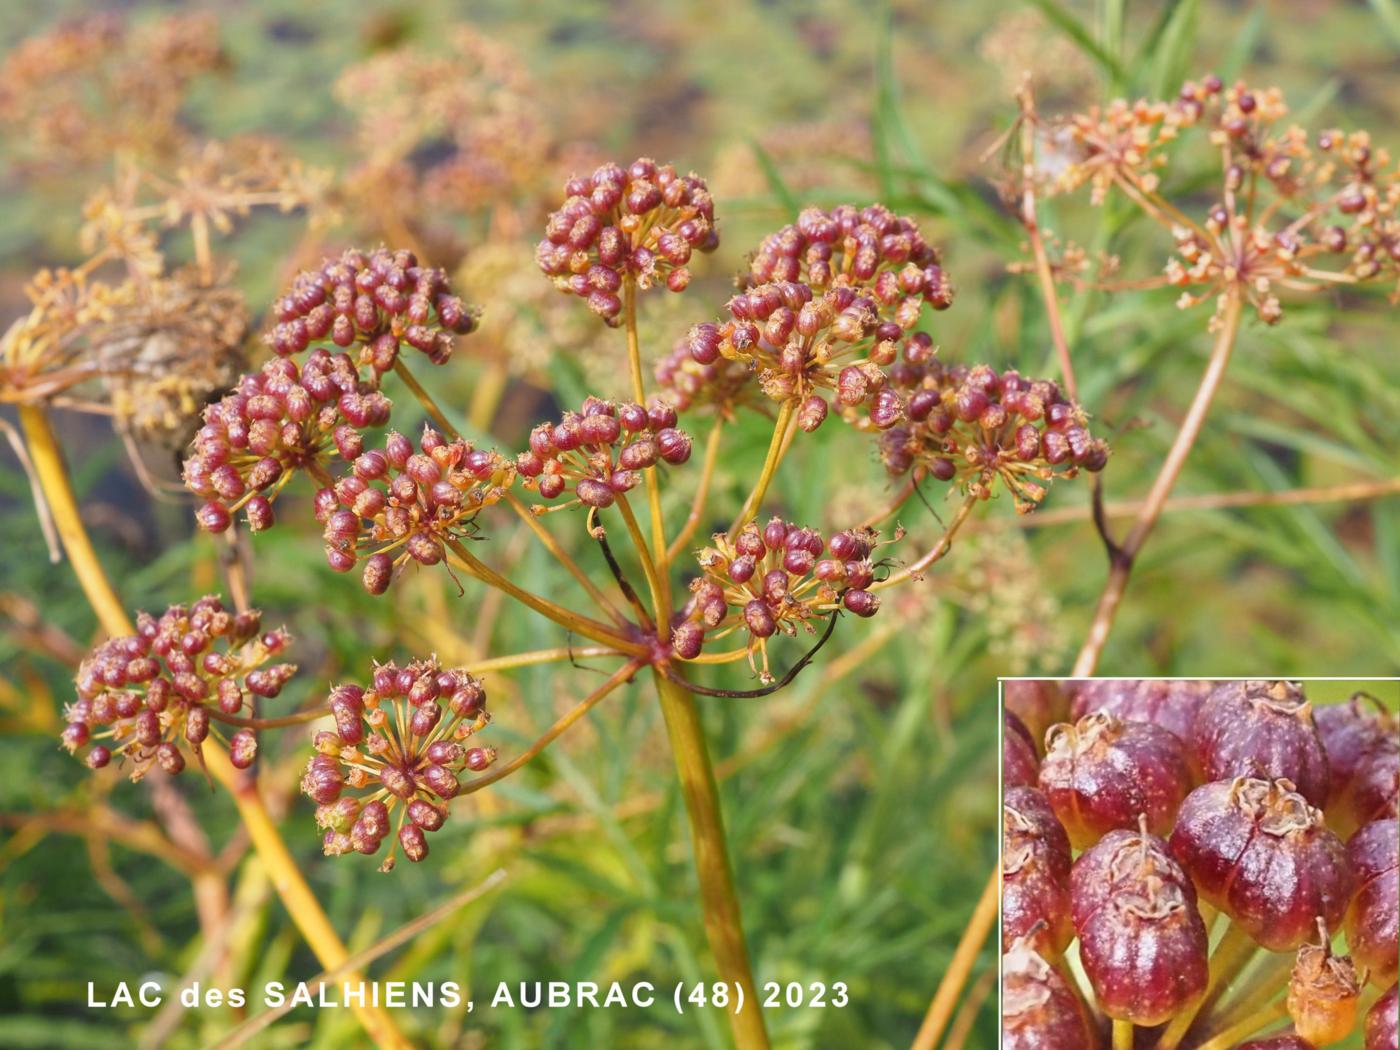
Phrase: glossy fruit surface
[1035,891]
[1371,924]
[1039,1011]
[1037,703]
[1382,1021]
[1261,729]
[1351,731]
[1121,860]
[1169,703]
[1019,765]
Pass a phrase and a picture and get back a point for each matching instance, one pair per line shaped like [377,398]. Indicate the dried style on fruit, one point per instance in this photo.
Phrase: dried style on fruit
[1039,1011]
[1265,730]
[1035,872]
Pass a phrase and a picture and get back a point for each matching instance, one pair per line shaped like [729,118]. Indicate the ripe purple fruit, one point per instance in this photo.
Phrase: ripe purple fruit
[1382,1022]
[1261,729]
[1350,732]
[1039,1010]
[1019,765]
[1035,867]
[1036,702]
[1374,790]
[1259,852]
[1372,927]
[1102,773]
[1168,703]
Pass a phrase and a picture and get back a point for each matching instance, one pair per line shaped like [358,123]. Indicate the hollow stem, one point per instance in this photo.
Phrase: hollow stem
[567,618]
[622,674]
[941,548]
[52,477]
[1255,1022]
[702,493]
[783,426]
[1122,1035]
[560,555]
[1122,565]
[723,923]
[1230,955]
[426,399]
[940,1010]
[296,895]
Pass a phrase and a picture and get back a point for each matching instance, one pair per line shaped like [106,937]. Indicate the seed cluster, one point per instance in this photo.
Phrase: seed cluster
[279,420]
[642,223]
[147,698]
[1180,794]
[772,580]
[721,386]
[399,746]
[376,300]
[599,452]
[398,503]
[976,426]
[824,305]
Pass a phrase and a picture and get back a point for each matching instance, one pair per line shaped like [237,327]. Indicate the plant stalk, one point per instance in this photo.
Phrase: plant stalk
[940,1010]
[1228,958]
[723,924]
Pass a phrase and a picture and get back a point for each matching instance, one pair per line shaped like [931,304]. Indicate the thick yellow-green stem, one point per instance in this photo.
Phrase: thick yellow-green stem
[653,480]
[1122,1035]
[723,924]
[1229,957]
[300,902]
[783,428]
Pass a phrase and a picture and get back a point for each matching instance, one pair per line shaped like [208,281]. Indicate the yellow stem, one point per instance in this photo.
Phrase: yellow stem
[560,555]
[486,397]
[1122,1035]
[941,548]
[1228,958]
[723,923]
[662,598]
[940,1010]
[540,656]
[783,427]
[1267,983]
[1122,567]
[297,719]
[430,406]
[1260,1019]
[622,674]
[567,618]
[654,583]
[702,493]
[300,902]
[63,506]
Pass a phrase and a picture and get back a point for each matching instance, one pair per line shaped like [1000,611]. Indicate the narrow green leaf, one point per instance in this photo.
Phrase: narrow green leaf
[1388,11]
[1242,48]
[1171,63]
[1067,23]
[775,180]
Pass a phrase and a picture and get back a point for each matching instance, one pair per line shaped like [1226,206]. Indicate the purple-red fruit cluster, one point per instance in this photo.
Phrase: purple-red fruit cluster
[379,301]
[392,763]
[640,224]
[399,503]
[976,425]
[721,385]
[149,697]
[772,579]
[600,452]
[278,421]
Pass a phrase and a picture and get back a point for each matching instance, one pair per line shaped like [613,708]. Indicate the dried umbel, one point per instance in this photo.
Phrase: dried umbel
[772,580]
[1019,765]
[1169,703]
[393,761]
[1035,872]
[277,422]
[1039,1010]
[1323,993]
[1383,1023]
[153,697]
[1372,925]
[975,426]
[1145,951]
[639,224]
[1102,773]
[1259,852]
[378,301]
[1350,733]
[600,452]
[399,504]
[1262,729]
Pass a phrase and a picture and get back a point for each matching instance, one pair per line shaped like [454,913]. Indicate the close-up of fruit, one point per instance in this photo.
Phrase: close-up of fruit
[1233,908]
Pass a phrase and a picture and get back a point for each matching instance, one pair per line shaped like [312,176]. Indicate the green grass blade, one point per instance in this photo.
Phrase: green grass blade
[1064,20]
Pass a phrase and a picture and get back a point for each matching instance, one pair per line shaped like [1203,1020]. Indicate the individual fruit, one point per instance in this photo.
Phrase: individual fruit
[1039,1011]
[1374,790]
[1350,732]
[1371,924]
[1102,773]
[1260,853]
[1169,703]
[1035,874]
[1120,860]
[1261,729]
[1382,1020]
[1323,993]
[1019,765]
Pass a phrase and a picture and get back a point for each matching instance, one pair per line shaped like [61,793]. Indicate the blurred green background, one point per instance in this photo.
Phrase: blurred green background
[861,803]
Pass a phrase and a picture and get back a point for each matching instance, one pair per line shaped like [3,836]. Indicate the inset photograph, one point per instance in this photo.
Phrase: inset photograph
[1199,865]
